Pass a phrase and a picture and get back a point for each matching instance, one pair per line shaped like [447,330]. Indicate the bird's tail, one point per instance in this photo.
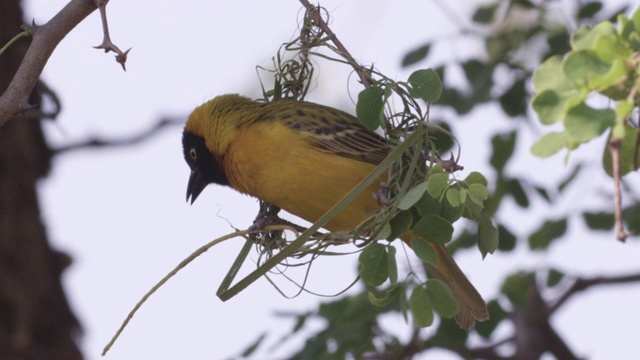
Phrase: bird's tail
[472,306]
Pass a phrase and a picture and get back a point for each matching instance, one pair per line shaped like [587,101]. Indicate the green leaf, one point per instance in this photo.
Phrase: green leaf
[484,14]
[412,196]
[424,251]
[420,307]
[478,193]
[416,55]
[584,123]
[436,183]
[631,216]
[400,224]
[514,100]
[586,38]
[549,231]
[569,179]
[475,178]
[580,64]
[442,299]
[599,220]
[450,213]
[506,239]
[554,277]
[516,287]
[588,10]
[514,187]
[373,264]
[549,144]
[503,146]
[434,229]
[425,85]
[453,197]
[370,107]
[488,236]
[428,205]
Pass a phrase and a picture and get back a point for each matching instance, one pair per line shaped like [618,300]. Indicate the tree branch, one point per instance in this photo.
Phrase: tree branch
[614,148]
[581,284]
[132,140]
[45,40]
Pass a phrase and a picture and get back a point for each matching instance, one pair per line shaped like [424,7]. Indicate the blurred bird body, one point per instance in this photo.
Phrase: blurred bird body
[304,158]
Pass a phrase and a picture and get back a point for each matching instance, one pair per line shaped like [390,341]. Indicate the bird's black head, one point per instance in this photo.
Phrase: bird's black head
[205,168]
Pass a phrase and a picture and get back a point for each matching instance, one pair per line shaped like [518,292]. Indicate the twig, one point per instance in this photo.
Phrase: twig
[107,45]
[614,148]
[133,140]
[45,40]
[26,32]
[314,13]
[581,284]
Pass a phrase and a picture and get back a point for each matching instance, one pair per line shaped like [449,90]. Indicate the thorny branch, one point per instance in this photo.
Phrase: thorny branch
[45,38]
[107,45]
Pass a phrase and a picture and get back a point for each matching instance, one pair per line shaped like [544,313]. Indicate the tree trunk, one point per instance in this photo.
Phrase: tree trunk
[35,319]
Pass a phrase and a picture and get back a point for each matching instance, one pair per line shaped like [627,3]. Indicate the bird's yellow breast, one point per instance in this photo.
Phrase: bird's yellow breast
[275,163]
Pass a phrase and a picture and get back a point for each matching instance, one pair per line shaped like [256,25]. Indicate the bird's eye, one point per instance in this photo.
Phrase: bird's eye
[193,154]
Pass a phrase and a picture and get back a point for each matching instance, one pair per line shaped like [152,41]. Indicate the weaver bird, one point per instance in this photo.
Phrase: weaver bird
[304,158]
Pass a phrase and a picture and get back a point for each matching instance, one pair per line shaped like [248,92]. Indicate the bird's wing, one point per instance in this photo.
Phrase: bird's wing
[334,131]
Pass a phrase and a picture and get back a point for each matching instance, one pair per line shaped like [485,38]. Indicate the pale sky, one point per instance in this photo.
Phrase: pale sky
[121,213]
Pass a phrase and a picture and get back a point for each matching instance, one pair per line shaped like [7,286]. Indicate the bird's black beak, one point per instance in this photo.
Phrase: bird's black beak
[197,183]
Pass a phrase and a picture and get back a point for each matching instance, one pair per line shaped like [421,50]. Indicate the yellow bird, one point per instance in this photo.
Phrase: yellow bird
[304,158]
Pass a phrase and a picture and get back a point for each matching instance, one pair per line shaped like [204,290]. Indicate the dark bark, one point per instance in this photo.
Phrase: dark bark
[36,321]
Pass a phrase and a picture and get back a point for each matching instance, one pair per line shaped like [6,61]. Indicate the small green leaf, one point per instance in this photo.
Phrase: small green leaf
[506,239]
[503,146]
[589,9]
[569,179]
[425,85]
[516,287]
[514,187]
[580,64]
[599,221]
[434,229]
[584,123]
[412,196]
[549,231]
[554,277]
[484,14]
[442,299]
[370,107]
[475,178]
[549,144]
[428,205]
[453,197]
[416,55]
[373,264]
[424,251]
[420,307]
[478,193]
[488,236]
[400,224]
[514,100]
[449,212]
[436,183]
